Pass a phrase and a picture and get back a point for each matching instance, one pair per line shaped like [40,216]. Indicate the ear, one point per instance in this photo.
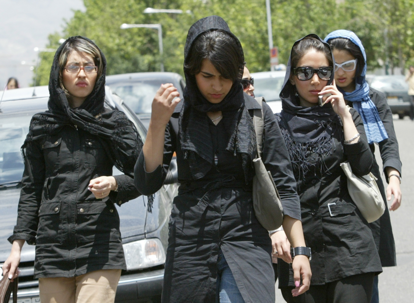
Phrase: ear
[292,80]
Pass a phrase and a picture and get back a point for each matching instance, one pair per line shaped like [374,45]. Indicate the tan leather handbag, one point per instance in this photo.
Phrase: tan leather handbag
[365,193]
[6,288]
[266,200]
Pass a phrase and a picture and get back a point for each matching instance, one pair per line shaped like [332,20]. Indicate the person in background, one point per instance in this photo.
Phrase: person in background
[217,249]
[68,195]
[247,82]
[12,83]
[350,70]
[410,80]
[319,138]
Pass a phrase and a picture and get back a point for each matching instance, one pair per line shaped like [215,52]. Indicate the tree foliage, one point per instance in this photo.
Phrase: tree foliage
[384,28]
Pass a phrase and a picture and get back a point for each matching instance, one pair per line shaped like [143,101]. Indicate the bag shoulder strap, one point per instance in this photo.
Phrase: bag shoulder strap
[258,123]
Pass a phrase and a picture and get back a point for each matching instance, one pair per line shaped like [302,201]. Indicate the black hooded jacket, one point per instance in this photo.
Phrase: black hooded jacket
[213,211]
[74,232]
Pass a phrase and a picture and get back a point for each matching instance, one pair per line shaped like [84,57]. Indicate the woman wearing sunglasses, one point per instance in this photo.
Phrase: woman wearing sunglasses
[319,138]
[350,69]
[247,82]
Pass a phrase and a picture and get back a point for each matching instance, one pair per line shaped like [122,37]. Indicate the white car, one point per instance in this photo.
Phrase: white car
[269,85]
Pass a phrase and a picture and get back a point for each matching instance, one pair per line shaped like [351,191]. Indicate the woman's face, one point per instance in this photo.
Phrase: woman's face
[211,84]
[79,83]
[11,85]
[308,89]
[344,79]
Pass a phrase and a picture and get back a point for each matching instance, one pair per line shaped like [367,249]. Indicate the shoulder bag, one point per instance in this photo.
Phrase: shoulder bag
[6,288]
[365,193]
[266,200]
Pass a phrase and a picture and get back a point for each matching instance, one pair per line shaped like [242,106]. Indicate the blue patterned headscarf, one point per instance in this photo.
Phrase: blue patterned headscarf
[374,128]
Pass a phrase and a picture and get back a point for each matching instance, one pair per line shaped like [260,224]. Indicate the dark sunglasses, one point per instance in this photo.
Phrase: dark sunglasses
[306,73]
[247,82]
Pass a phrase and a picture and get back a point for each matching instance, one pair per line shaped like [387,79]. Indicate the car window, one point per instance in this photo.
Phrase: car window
[137,95]
[391,82]
[269,88]
[13,131]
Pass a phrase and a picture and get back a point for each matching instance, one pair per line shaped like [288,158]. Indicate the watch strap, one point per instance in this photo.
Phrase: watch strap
[301,251]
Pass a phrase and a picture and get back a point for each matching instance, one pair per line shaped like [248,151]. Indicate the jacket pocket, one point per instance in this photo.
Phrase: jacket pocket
[51,151]
[94,153]
[97,222]
[49,224]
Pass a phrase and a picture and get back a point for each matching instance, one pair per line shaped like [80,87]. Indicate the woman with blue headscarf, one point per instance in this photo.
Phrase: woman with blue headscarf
[350,69]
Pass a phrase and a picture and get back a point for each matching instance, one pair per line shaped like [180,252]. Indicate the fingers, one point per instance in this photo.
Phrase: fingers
[396,191]
[301,275]
[167,95]
[100,187]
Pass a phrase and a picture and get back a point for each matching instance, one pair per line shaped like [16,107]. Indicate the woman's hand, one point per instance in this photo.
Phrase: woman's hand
[394,188]
[281,246]
[336,99]
[102,186]
[164,103]
[301,273]
[10,266]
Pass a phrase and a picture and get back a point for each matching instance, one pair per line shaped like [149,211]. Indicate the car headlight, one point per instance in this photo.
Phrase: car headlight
[144,254]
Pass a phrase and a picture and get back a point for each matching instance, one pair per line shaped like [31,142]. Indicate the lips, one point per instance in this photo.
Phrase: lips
[216,96]
[81,84]
[341,80]
[314,92]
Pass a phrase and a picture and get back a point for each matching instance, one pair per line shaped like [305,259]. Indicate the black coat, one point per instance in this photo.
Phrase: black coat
[213,214]
[382,229]
[342,243]
[74,232]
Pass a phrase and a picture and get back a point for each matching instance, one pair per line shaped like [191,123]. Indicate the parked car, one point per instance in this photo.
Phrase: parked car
[396,89]
[144,226]
[138,89]
[269,85]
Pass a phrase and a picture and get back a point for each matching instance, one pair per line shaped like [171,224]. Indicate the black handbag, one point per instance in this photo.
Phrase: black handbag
[266,200]
[6,288]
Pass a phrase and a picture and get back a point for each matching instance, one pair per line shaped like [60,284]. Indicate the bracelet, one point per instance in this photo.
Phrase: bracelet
[396,175]
[276,230]
[347,142]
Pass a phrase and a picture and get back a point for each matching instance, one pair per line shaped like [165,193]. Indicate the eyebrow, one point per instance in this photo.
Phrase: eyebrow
[77,62]
[207,73]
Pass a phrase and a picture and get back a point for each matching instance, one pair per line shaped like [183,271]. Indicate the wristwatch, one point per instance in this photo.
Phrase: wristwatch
[301,251]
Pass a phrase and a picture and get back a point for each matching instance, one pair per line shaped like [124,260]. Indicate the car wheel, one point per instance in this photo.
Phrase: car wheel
[401,116]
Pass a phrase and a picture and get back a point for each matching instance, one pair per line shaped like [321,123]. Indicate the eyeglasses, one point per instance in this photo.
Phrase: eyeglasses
[246,82]
[74,69]
[347,66]
[306,73]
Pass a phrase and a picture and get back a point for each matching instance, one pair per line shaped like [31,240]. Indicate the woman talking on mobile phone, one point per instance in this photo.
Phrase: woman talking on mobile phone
[350,70]
[319,138]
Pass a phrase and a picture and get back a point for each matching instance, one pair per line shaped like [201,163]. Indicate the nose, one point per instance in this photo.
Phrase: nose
[251,87]
[81,72]
[217,85]
[339,71]
[315,79]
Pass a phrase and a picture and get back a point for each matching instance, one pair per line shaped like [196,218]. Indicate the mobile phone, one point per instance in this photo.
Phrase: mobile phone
[322,99]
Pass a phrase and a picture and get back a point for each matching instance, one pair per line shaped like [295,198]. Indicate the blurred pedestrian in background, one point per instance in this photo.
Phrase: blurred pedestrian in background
[319,138]
[66,205]
[217,249]
[247,82]
[350,70]
[12,83]
[410,80]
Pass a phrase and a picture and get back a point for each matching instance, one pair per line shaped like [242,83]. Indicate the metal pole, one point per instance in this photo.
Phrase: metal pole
[160,45]
[269,28]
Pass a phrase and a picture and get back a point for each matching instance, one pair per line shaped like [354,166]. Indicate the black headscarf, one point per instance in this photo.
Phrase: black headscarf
[306,130]
[195,136]
[115,132]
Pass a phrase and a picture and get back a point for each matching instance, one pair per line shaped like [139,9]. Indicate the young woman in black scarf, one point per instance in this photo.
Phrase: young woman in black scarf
[217,249]
[319,138]
[66,205]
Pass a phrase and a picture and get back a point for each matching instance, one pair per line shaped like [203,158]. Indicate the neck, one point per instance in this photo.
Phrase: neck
[75,102]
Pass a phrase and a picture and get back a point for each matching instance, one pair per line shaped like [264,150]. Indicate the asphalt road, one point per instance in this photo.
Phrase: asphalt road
[395,283]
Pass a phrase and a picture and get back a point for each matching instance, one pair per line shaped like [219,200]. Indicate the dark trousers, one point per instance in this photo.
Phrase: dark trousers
[354,289]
